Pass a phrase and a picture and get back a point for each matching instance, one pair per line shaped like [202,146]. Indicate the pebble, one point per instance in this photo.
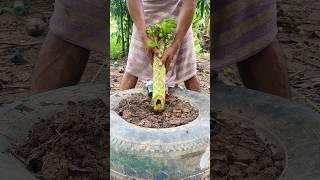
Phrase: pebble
[35,27]
[301,32]
[280,29]
[299,45]
[121,70]
[17,58]
[276,153]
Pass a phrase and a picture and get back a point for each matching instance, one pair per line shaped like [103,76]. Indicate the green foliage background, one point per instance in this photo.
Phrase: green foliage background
[121,28]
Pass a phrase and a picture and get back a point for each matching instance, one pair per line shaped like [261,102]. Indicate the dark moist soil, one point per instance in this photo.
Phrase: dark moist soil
[137,110]
[71,145]
[238,153]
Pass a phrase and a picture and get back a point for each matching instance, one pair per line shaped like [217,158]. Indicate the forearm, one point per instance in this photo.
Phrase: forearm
[185,20]
[136,12]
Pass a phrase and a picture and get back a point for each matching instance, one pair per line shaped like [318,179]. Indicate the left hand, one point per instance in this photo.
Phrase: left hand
[168,55]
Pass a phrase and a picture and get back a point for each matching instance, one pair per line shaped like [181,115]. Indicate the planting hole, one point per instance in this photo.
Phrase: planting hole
[158,102]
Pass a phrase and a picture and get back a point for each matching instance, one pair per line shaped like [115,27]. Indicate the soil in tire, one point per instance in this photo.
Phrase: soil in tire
[71,145]
[238,153]
[137,109]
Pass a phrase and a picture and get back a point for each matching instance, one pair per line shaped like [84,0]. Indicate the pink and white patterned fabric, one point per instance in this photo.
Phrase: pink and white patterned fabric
[183,66]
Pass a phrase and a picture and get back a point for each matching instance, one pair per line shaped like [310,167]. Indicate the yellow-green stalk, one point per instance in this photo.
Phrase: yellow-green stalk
[161,35]
[158,94]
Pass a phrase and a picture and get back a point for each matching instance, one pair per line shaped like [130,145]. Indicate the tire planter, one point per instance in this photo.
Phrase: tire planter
[17,119]
[164,153]
[291,126]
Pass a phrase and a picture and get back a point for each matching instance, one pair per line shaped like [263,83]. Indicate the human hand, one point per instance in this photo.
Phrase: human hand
[150,52]
[168,56]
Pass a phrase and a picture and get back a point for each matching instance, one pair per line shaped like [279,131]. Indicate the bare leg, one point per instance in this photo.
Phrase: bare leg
[193,84]
[60,64]
[266,71]
[128,81]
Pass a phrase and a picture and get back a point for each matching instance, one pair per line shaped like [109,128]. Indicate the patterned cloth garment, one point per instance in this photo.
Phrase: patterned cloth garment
[241,28]
[183,66]
[81,22]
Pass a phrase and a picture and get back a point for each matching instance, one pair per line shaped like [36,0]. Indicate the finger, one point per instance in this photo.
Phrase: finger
[168,62]
[149,56]
[151,59]
[164,59]
[157,52]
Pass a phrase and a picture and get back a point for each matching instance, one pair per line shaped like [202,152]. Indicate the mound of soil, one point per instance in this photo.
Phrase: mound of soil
[238,153]
[137,109]
[71,145]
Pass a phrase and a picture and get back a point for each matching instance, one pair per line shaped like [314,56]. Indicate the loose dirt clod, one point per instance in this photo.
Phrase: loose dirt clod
[71,145]
[17,58]
[238,153]
[35,27]
[137,109]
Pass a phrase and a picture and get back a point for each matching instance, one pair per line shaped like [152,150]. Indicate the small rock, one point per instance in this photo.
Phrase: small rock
[299,45]
[126,114]
[121,70]
[277,154]
[301,32]
[176,110]
[299,28]
[17,58]
[35,27]
[280,29]
[145,123]
[185,110]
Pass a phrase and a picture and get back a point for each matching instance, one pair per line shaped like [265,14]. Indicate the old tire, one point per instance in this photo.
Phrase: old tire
[16,120]
[165,153]
[294,128]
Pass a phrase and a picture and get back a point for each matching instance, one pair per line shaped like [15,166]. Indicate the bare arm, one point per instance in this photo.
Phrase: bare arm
[185,20]
[136,12]
[184,23]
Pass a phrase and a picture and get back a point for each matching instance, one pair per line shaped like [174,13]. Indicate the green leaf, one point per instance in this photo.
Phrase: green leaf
[151,44]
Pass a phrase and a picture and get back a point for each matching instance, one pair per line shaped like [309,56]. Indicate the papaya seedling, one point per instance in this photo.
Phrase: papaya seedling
[161,35]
